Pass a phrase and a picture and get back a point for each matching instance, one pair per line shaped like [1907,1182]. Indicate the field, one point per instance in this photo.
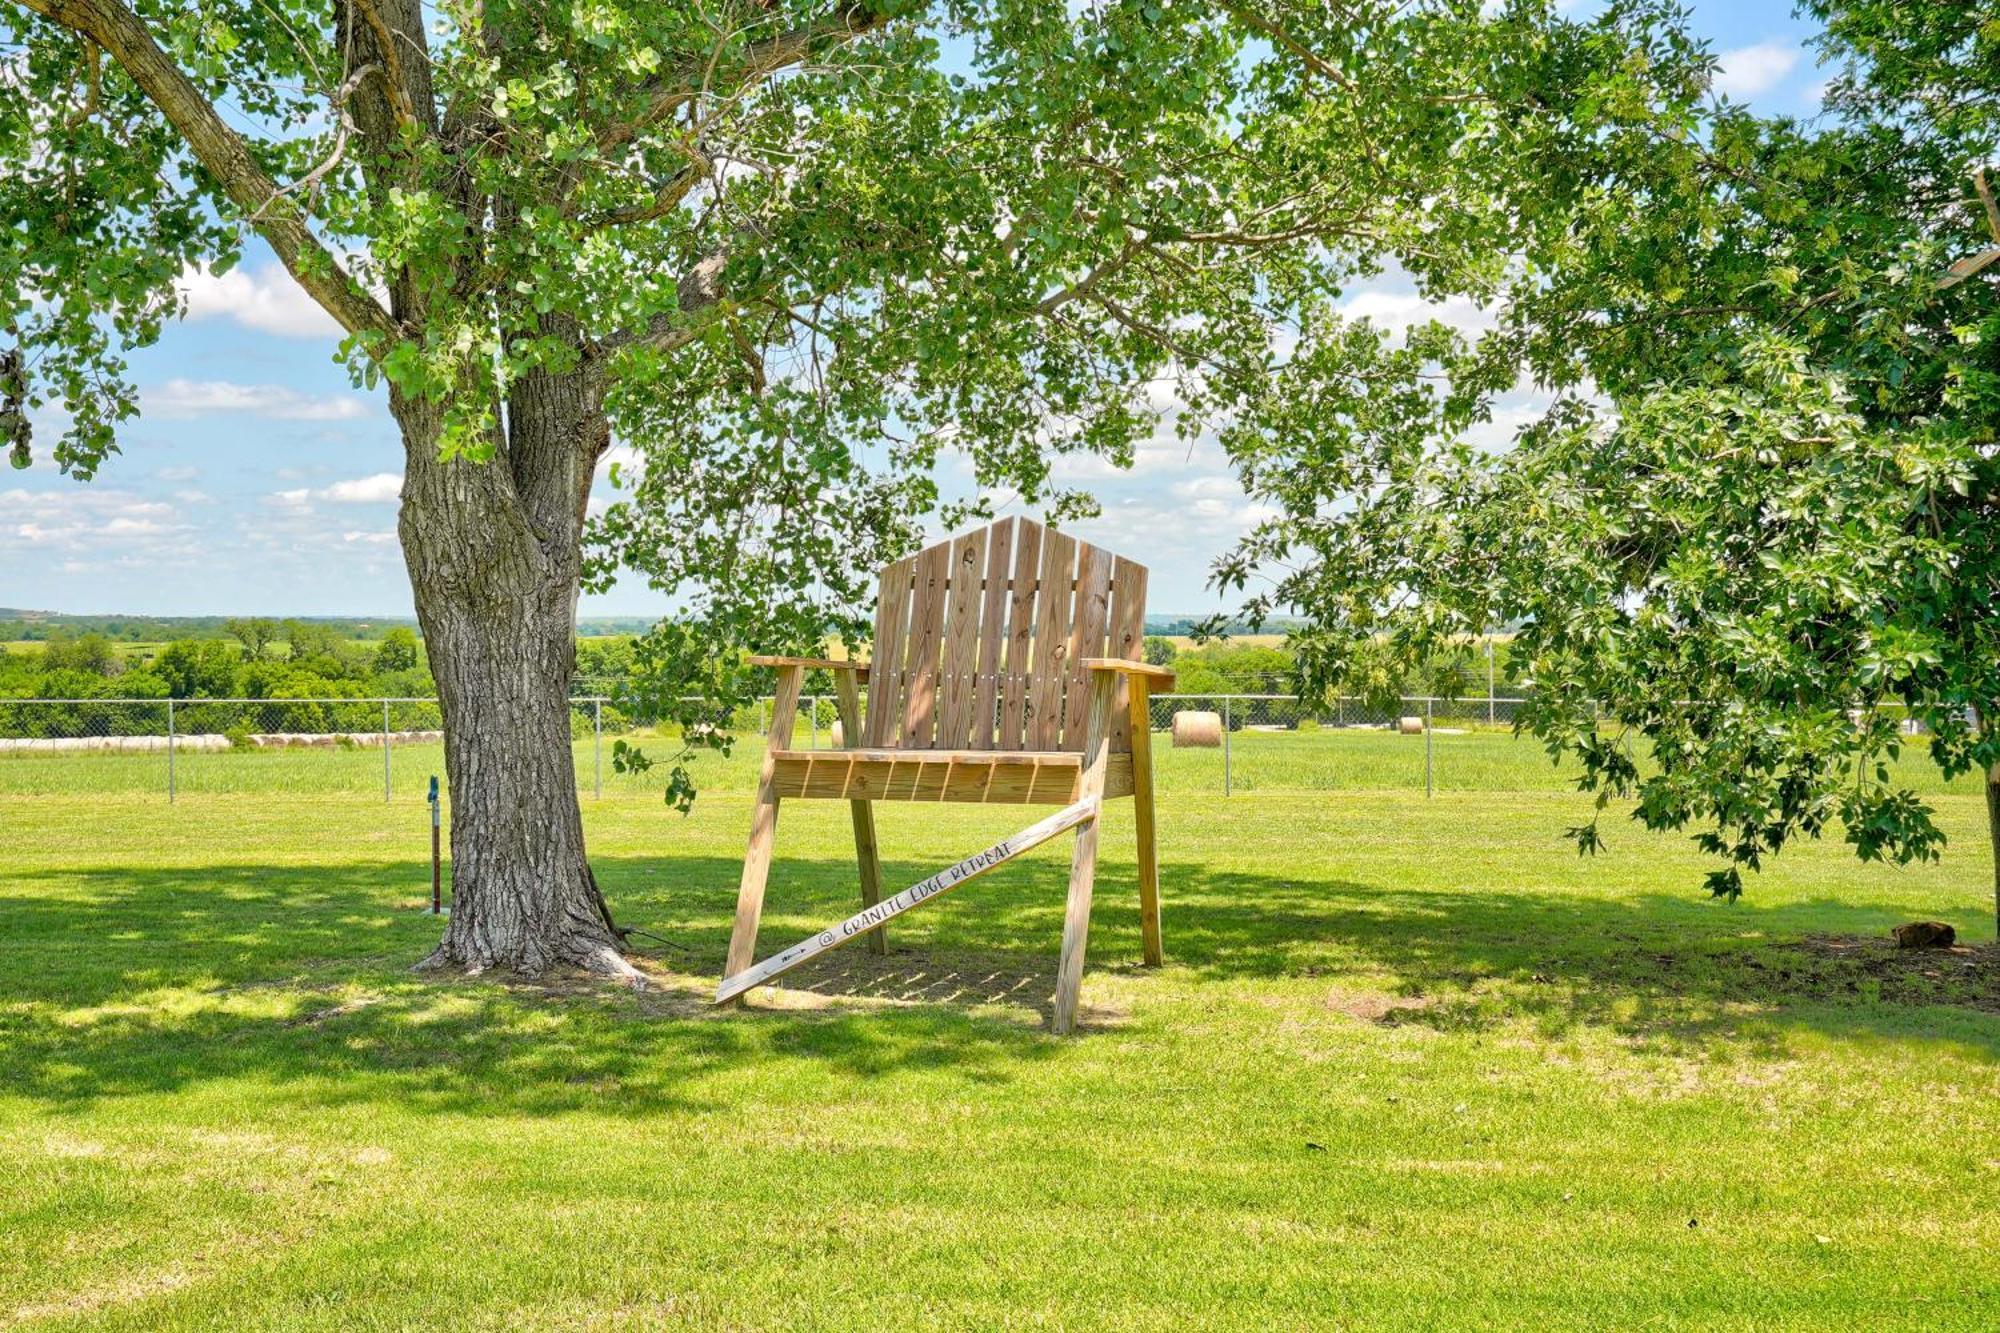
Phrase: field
[1410,1064]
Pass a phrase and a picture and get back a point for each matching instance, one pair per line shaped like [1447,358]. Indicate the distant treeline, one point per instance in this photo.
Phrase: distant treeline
[21,626]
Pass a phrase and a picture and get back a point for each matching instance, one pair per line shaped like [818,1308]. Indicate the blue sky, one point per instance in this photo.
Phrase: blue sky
[258,482]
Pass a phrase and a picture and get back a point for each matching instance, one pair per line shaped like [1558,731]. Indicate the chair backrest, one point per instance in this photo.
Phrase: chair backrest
[980,640]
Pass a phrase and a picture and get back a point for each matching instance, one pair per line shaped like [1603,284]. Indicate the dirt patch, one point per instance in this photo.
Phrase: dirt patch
[1966,975]
[1374,1007]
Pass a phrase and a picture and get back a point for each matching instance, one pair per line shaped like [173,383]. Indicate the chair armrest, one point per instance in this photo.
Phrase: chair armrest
[1129,668]
[810,663]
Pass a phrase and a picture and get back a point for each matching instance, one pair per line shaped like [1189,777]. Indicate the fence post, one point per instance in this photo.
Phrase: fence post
[385,752]
[1489,680]
[815,722]
[170,751]
[597,747]
[1225,745]
[1430,790]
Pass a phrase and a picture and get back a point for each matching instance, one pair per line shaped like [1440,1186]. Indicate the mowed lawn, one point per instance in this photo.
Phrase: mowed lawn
[1411,1064]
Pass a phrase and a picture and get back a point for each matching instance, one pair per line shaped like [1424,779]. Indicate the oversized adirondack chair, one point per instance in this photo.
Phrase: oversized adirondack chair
[1006,671]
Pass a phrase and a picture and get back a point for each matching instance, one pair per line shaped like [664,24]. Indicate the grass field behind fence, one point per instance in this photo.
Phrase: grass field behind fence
[1327,759]
[1400,1071]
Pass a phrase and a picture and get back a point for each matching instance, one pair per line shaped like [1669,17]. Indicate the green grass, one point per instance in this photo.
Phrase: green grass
[1409,1065]
[1329,759]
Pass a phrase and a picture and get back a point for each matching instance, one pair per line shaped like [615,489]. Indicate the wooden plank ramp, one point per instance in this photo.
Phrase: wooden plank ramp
[868,918]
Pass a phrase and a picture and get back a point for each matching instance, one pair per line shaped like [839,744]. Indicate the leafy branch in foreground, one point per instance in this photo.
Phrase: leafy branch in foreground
[1753,541]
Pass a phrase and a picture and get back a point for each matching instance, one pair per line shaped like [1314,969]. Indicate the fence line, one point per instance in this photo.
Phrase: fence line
[180,729]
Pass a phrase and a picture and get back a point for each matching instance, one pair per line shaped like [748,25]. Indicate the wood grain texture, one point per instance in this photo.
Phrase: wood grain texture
[1043,722]
[903,775]
[1088,619]
[1139,727]
[763,825]
[885,680]
[1126,641]
[1083,862]
[1020,647]
[961,640]
[927,607]
[992,634]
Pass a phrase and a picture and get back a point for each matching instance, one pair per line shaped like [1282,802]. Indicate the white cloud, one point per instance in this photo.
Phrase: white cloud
[1749,70]
[382,488]
[264,298]
[177,473]
[1402,310]
[368,538]
[77,521]
[195,398]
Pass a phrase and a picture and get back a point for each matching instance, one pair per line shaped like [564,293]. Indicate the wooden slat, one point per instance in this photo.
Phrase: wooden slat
[1020,635]
[961,641]
[869,918]
[992,635]
[885,676]
[837,775]
[892,753]
[920,663]
[1127,640]
[936,775]
[1088,619]
[1045,667]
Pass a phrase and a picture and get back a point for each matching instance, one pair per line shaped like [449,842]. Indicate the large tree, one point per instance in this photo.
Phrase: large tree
[795,251]
[1757,533]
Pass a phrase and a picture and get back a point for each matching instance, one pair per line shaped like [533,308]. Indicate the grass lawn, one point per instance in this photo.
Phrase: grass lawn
[1410,1064]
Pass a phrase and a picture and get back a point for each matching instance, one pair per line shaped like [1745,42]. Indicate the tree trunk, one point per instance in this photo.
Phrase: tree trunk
[1993,835]
[494,556]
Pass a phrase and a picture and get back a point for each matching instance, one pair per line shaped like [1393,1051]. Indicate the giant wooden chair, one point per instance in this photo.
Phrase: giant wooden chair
[1006,671]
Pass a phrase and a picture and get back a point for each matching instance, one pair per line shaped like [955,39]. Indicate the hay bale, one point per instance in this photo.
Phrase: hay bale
[1410,726]
[1197,728]
[838,735]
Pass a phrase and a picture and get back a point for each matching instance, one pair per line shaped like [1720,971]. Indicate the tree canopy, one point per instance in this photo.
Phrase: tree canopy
[1752,539]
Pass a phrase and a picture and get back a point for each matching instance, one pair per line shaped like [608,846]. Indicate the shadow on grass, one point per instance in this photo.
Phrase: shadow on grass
[118,981]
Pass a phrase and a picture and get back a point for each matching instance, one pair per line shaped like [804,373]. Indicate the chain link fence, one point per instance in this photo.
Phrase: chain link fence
[1226,743]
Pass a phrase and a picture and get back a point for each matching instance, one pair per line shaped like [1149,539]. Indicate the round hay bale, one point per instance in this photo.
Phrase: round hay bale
[839,735]
[1410,726]
[1198,728]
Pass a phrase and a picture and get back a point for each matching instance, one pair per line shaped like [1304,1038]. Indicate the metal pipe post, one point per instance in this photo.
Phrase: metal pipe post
[597,745]
[1430,790]
[170,752]
[1226,780]
[385,752]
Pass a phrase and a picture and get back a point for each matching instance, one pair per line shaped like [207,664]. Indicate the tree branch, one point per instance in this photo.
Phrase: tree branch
[691,78]
[224,154]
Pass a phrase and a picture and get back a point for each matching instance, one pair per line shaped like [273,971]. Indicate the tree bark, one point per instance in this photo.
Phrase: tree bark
[1993,835]
[494,554]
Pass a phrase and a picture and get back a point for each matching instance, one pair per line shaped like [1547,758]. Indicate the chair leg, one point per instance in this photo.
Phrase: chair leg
[763,827]
[1076,924]
[1142,818]
[1083,863]
[867,854]
[750,890]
